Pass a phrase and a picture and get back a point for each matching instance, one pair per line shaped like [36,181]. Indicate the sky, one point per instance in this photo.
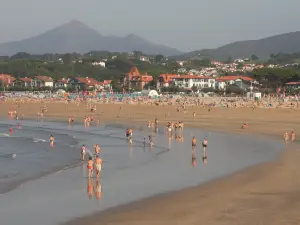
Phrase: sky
[184,24]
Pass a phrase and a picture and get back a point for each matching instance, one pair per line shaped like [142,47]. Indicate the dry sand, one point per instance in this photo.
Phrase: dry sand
[265,194]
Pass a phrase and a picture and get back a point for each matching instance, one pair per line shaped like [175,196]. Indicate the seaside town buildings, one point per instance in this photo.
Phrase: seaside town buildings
[136,81]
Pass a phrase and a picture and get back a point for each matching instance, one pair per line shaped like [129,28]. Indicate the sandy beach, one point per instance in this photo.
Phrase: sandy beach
[264,194]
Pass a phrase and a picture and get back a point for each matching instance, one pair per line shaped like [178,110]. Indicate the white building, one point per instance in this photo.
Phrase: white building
[42,81]
[186,81]
[223,82]
[99,64]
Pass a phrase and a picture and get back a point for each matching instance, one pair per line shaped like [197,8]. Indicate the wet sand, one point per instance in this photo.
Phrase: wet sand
[265,194]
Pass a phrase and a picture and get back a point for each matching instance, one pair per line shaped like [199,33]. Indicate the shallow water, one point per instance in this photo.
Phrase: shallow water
[128,173]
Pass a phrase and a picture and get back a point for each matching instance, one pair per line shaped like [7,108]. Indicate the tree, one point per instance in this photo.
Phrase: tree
[67,58]
[240,66]
[254,57]
[159,58]
[229,60]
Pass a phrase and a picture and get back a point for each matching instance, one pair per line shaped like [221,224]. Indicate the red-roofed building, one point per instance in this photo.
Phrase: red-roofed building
[24,82]
[223,82]
[82,83]
[7,80]
[134,80]
[63,83]
[295,85]
[185,81]
[42,81]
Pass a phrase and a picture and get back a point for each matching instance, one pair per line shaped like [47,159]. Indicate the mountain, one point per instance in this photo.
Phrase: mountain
[283,43]
[78,37]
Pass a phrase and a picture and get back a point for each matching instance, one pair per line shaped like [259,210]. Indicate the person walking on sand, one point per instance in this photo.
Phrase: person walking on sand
[51,139]
[98,165]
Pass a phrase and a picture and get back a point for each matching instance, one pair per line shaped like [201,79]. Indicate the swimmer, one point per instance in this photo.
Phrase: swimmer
[83,152]
[293,136]
[19,126]
[286,138]
[194,141]
[10,130]
[130,140]
[90,167]
[144,141]
[98,165]
[51,139]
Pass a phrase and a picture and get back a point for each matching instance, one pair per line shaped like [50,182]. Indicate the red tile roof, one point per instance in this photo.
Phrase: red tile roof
[292,83]
[7,79]
[65,81]
[228,78]
[44,78]
[169,77]
[107,82]
[134,74]
[25,79]
[88,81]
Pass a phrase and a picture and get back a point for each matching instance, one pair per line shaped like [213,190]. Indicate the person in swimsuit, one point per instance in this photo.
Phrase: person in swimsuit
[90,167]
[144,142]
[293,136]
[286,138]
[194,141]
[97,149]
[51,139]
[98,165]
[83,152]
[10,130]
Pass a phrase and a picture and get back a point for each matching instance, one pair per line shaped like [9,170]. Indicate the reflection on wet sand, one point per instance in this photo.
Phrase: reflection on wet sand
[94,188]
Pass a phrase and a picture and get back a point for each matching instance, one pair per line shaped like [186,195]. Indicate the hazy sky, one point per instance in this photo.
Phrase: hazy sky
[185,24]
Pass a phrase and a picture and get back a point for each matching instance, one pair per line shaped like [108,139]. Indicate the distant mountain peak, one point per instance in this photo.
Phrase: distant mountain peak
[75,36]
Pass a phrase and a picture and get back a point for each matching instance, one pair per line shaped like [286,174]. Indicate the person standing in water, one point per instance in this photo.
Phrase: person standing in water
[51,139]
[204,145]
[293,136]
[90,167]
[98,165]
[194,141]
[97,149]
[83,152]
[10,130]
[286,138]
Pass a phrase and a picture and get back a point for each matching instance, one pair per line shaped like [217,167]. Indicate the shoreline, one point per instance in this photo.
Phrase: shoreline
[268,178]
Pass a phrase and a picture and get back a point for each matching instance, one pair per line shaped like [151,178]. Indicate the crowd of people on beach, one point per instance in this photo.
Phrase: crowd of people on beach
[171,129]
